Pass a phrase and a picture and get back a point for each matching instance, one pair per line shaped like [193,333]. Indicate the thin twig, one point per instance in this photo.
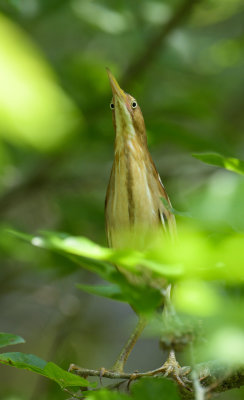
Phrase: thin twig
[125,352]
[84,372]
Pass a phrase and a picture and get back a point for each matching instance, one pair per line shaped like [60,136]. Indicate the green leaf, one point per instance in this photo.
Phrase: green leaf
[21,235]
[155,388]
[64,378]
[147,388]
[110,291]
[57,242]
[103,269]
[231,164]
[25,361]
[98,259]
[105,394]
[7,339]
[95,258]
[163,269]
[142,298]
[49,370]
[76,245]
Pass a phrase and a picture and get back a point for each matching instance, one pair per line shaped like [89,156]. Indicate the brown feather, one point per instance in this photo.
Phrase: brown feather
[135,192]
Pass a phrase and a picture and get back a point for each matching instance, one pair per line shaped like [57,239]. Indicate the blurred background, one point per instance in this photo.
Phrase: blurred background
[183,60]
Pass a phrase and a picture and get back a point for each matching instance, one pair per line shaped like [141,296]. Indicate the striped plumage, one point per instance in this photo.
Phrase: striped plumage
[137,207]
[135,191]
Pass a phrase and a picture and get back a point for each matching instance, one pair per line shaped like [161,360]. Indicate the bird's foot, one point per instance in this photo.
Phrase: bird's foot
[171,367]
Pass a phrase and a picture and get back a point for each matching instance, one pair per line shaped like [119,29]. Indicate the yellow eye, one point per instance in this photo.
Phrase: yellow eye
[134,104]
[112,106]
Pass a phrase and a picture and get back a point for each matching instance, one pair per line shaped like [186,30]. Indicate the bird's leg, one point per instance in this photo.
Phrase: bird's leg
[171,365]
[125,352]
[173,368]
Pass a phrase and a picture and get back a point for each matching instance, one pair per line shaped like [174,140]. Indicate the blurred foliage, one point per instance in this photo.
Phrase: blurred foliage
[146,388]
[30,99]
[56,150]
[35,364]
[232,164]
[8,338]
[199,262]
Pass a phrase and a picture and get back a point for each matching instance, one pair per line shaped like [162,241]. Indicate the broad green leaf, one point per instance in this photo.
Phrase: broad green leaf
[103,269]
[90,263]
[76,245]
[229,163]
[85,248]
[198,256]
[64,378]
[142,298]
[112,291]
[155,388]
[162,269]
[97,258]
[105,394]
[25,361]
[21,235]
[49,370]
[147,388]
[7,339]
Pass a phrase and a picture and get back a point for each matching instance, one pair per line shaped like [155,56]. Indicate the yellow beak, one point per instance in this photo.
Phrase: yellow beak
[116,89]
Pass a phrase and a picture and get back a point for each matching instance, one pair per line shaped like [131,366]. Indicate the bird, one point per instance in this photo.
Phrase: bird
[136,199]
[135,191]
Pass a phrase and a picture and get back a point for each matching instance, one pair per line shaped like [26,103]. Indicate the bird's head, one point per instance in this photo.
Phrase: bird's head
[127,116]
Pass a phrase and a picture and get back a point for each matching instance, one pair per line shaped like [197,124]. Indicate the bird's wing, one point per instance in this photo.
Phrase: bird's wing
[166,216]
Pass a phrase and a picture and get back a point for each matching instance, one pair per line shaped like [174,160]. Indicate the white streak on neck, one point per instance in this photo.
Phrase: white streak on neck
[124,126]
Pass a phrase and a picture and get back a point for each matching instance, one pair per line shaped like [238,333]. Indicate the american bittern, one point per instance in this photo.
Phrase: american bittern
[135,191]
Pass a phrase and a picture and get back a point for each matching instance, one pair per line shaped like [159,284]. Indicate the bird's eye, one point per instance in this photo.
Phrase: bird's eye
[134,104]
[112,106]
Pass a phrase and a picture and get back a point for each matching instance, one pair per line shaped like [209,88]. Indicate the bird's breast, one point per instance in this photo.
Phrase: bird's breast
[133,197]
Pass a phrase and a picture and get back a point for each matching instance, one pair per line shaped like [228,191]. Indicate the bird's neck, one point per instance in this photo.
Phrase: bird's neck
[133,197]
[130,146]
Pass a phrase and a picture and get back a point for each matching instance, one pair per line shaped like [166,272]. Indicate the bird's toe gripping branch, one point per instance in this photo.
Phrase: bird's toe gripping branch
[171,367]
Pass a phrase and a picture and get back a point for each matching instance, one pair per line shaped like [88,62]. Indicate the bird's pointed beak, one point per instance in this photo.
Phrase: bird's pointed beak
[122,118]
[116,89]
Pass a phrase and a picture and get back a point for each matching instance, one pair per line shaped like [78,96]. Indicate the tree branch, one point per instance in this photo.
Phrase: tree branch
[213,378]
[138,66]
[103,373]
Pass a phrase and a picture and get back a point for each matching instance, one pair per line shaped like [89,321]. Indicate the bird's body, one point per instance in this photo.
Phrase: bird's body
[136,200]
[137,206]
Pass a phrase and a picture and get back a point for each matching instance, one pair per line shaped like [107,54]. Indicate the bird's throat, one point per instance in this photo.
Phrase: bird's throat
[123,124]
[131,205]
